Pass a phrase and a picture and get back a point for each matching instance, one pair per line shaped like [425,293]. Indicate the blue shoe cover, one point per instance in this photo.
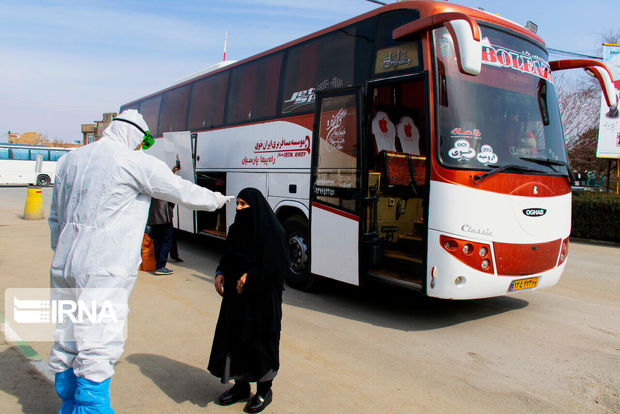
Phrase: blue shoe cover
[65,383]
[92,397]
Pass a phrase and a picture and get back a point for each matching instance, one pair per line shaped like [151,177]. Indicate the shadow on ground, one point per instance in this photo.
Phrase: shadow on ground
[397,308]
[34,392]
[179,381]
[376,303]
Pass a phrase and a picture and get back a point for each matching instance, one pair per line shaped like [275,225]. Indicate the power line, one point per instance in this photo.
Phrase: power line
[567,53]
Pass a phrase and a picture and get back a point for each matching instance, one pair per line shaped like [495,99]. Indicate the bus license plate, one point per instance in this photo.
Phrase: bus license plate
[520,284]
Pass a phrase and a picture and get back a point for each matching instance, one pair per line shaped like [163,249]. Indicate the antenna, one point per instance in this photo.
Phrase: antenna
[225,39]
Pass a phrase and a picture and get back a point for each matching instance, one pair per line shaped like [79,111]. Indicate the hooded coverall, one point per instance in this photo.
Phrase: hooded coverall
[97,218]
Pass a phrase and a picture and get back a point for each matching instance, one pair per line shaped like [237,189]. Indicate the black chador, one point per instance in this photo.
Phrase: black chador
[247,336]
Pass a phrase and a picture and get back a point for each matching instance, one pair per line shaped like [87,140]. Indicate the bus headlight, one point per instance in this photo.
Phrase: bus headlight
[464,250]
[563,251]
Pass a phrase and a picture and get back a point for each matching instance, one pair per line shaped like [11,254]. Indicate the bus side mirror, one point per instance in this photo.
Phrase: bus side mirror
[598,70]
[465,34]
[468,50]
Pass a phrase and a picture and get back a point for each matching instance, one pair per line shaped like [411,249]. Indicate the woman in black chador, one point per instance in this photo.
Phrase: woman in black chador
[250,279]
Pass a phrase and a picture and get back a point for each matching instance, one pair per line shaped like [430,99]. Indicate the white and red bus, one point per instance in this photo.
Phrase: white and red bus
[419,144]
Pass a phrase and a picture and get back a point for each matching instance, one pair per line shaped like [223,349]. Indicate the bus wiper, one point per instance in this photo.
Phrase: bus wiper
[479,178]
[551,163]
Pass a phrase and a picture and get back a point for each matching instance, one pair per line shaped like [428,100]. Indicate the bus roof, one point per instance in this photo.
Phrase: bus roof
[426,8]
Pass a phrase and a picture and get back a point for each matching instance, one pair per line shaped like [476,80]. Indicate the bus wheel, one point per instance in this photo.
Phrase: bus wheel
[299,275]
[43,180]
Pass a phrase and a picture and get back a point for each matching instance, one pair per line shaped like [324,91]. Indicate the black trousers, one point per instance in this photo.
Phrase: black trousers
[174,250]
[162,239]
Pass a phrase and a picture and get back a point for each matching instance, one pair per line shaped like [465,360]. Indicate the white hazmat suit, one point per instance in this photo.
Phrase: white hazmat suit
[98,214]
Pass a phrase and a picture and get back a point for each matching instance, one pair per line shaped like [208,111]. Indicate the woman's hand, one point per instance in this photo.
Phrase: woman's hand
[219,284]
[241,282]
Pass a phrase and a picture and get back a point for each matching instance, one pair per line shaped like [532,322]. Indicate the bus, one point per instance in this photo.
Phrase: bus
[419,144]
[29,164]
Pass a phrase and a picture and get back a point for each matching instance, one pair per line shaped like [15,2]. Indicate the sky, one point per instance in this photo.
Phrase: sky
[65,63]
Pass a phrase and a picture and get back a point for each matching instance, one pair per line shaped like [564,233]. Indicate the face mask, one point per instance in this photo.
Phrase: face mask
[147,140]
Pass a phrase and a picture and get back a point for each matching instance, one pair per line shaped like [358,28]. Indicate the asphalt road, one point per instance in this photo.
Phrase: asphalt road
[344,349]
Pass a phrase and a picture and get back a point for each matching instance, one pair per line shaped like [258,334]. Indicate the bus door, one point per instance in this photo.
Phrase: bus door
[335,194]
[394,229]
[178,150]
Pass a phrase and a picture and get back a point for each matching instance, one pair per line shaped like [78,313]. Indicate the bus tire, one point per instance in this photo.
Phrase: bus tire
[43,180]
[299,276]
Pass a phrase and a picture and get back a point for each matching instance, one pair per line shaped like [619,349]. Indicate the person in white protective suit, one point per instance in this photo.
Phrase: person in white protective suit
[97,218]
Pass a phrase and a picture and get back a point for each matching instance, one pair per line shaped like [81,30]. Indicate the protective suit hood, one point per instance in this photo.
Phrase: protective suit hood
[125,133]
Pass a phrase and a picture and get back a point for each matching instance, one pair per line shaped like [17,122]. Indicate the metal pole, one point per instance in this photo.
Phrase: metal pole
[225,39]
[608,174]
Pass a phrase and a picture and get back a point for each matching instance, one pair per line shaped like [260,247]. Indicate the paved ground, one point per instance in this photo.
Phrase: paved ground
[344,350]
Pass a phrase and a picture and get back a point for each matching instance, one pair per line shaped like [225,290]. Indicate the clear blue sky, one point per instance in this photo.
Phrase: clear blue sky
[64,63]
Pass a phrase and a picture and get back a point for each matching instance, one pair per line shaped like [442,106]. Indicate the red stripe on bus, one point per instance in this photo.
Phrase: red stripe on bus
[336,211]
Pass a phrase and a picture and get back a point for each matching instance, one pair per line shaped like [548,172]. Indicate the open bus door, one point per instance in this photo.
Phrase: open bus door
[179,147]
[335,193]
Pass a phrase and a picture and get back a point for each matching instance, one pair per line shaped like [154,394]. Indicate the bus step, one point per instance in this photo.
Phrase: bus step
[218,234]
[409,237]
[396,278]
[392,254]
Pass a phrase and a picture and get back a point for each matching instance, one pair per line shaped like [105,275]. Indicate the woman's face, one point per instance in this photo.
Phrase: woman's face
[241,204]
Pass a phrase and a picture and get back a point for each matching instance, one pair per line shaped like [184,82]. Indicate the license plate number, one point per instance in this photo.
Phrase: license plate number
[521,284]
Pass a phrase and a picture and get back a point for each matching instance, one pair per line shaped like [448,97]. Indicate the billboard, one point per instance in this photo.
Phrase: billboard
[609,127]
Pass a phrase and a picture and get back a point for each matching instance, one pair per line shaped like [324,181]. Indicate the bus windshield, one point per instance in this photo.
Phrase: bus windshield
[507,116]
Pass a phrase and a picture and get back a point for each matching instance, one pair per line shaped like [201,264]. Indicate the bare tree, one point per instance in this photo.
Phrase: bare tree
[580,103]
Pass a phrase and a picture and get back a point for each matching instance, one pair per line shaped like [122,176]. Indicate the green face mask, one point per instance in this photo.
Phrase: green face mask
[147,140]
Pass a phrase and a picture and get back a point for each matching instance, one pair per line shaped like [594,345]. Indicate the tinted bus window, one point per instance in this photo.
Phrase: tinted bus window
[325,63]
[150,112]
[206,106]
[254,89]
[55,154]
[19,154]
[44,153]
[4,153]
[174,110]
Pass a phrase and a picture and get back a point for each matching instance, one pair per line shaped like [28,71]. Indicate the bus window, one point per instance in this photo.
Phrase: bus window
[4,153]
[55,154]
[43,152]
[325,63]
[19,154]
[395,55]
[150,112]
[206,106]
[336,166]
[494,119]
[254,89]
[174,110]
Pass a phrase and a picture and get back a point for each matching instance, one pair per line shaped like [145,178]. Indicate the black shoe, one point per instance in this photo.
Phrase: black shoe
[177,259]
[233,395]
[258,403]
